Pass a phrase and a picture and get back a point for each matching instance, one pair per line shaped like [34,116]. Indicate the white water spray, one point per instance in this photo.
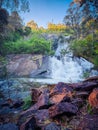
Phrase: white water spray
[66,68]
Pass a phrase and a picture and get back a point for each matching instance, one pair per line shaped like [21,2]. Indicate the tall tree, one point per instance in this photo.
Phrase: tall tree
[73,19]
[15,5]
[10,6]
[15,21]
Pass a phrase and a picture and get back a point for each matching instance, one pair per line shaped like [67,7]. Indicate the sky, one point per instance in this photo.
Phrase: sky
[45,11]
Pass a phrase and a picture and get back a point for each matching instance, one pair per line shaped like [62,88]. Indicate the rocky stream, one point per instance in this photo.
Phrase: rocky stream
[63,90]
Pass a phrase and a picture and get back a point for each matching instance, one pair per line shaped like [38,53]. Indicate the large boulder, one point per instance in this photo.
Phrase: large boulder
[23,64]
[43,100]
[61,88]
[37,120]
[62,108]
[61,92]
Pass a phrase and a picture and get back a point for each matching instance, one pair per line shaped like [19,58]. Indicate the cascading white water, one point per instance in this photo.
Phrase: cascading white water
[65,68]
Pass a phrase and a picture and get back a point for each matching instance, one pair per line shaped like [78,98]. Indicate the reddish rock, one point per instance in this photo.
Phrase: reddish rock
[60,92]
[89,122]
[57,98]
[93,98]
[61,88]
[62,108]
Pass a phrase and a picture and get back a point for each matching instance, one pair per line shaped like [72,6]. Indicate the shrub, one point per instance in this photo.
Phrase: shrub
[35,45]
[27,103]
[86,47]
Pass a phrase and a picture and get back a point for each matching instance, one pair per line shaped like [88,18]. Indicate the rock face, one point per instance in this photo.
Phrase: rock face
[62,108]
[23,64]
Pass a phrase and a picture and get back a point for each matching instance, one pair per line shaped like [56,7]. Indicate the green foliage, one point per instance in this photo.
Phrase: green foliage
[27,103]
[35,45]
[87,48]
[27,31]
[12,37]
[96,60]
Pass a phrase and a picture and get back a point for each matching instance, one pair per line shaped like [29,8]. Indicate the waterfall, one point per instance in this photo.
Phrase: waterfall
[66,68]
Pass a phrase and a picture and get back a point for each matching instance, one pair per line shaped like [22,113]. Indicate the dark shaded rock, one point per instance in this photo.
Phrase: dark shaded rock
[93,98]
[85,86]
[30,124]
[6,104]
[82,94]
[90,79]
[74,122]
[39,73]
[89,122]
[41,117]
[12,104]
[5,110]
[17,104]
[52,126]
[8,126]
[62,108]
[78,102]
[35,121]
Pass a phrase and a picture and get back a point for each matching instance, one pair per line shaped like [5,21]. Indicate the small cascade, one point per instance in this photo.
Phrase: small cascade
[67,68]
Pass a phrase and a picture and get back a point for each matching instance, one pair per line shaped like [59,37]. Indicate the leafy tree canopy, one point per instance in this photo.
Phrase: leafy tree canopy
[15,5]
